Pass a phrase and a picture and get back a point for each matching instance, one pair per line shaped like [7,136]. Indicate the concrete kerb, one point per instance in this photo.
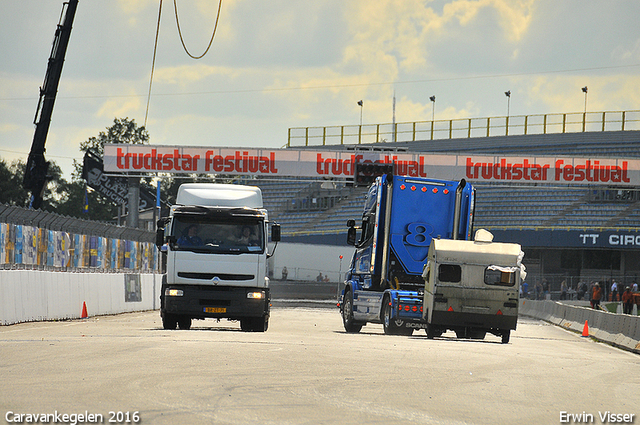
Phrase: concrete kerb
[619,330]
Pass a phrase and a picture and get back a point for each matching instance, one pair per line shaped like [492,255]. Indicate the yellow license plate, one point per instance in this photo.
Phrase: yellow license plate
[215,309]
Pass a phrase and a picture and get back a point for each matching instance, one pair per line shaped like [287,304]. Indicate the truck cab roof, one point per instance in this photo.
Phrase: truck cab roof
[219,195]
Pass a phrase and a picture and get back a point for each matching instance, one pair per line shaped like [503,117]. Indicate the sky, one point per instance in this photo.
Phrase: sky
[280,64]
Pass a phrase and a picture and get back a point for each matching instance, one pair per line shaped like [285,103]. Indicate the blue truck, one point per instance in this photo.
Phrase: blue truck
[401,216]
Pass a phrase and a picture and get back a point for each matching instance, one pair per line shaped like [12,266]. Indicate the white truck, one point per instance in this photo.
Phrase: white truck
[216,256]
[472,287]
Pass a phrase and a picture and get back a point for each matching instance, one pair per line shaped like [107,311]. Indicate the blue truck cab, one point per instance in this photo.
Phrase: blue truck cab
[401,216]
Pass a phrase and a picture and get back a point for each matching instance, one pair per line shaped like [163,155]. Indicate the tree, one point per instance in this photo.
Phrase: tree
[123,130]
[12,192]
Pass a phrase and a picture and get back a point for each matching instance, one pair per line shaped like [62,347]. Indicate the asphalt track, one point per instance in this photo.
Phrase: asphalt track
[306,370]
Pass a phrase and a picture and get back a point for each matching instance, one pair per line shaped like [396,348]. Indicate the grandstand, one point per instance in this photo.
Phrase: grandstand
[302,208]
[550,222]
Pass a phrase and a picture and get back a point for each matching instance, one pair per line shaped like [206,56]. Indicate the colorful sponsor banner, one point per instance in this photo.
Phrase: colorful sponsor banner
[27,245]
[340,164]
[4,239]
[19,245]
[61,253]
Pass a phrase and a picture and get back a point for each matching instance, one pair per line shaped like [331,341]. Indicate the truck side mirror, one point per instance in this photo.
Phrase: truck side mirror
[161,223]
[159,237]
[351,236]
[275,232]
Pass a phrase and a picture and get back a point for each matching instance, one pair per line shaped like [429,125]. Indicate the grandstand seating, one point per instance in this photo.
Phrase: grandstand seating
[497,206]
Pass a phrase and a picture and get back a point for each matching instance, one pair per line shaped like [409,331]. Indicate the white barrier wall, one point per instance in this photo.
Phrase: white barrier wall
[32,295]
[622,330]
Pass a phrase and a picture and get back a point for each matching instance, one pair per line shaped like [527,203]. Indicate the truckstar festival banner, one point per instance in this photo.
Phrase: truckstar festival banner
[340,164]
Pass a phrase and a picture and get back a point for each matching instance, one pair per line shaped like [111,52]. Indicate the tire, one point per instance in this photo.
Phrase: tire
[349,323]
[169,321]
[184,323]
[244,324]
[254,324]
[432,332]
[505,336]
[393,327]
[477,334]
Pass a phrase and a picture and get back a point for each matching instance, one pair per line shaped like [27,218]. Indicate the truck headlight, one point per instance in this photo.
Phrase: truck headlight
[173,292]
[256,295]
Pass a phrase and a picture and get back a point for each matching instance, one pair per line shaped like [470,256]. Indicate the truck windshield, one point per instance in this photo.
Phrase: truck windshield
[195,233]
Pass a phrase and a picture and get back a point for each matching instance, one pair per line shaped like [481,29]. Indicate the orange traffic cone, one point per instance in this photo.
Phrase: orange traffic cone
[84,314]
[585,330]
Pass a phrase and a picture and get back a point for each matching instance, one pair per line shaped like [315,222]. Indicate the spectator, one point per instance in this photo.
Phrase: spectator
[627,301]
[563,290]
[525,290]
[538,291]
[614,291]
[596,296]
[634,287]
[285,273]
[582,289]
[545,289]
[319,278]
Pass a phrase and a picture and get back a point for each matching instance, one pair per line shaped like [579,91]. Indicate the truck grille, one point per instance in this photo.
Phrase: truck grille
[210,276]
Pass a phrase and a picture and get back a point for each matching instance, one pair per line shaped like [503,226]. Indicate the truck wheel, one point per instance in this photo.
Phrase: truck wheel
[184,322]
[432,332]
[477,334]
[262,324]
[393,326]
[244,324]
[347,314]
[505,336]
[169,321]
[254,324]
[259,324]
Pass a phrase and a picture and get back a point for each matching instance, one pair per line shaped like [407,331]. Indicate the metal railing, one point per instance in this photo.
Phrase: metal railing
[465,128]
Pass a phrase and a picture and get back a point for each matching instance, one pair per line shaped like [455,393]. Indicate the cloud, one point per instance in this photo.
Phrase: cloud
[185,75]
[121,107]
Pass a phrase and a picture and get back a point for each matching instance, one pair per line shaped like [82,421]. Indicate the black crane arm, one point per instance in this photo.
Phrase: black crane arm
[35,174]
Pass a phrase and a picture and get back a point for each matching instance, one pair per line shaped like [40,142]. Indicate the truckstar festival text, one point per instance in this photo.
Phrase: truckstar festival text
[340,164]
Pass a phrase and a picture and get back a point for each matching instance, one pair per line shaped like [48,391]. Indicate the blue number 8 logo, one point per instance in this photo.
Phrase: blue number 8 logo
[419,234]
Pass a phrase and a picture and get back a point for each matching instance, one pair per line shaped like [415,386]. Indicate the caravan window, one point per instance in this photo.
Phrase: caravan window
[449,273]
[501,276]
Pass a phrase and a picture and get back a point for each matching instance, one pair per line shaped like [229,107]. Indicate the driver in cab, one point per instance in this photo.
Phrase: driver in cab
[190,237]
